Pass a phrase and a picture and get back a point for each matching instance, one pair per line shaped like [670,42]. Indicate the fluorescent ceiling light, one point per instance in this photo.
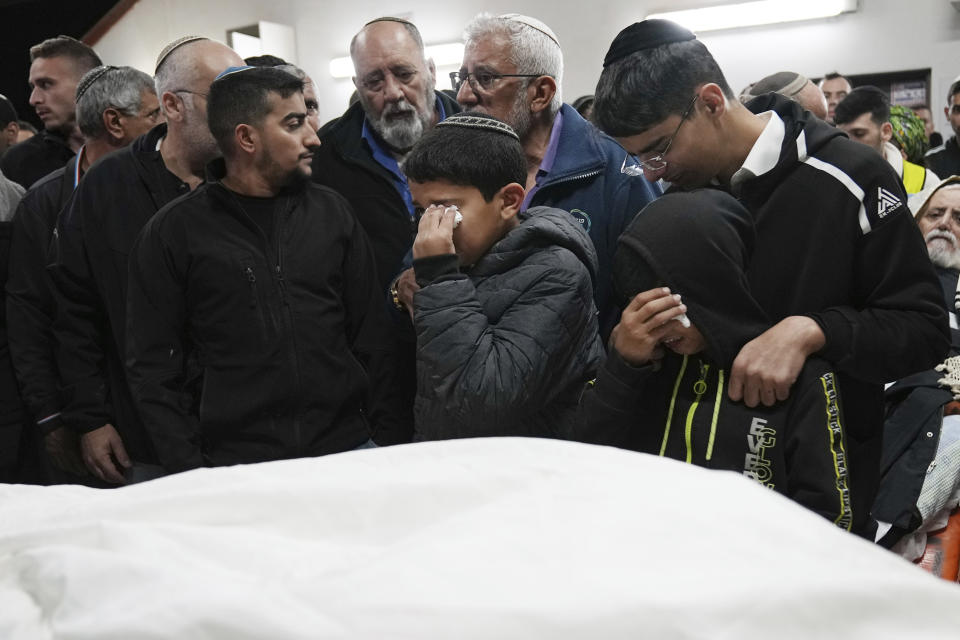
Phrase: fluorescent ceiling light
[444,55]
[751,14]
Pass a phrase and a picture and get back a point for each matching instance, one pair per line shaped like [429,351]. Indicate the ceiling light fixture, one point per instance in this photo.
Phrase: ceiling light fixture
[752,14]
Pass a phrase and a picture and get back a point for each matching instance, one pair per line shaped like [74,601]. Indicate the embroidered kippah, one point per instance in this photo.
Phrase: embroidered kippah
[229,71]
[645,35]
[173,46]
[786,83]
[92,76]
[479,122]
[533,23]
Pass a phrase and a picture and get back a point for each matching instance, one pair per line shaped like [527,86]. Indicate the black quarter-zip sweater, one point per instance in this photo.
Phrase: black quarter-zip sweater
[243,348]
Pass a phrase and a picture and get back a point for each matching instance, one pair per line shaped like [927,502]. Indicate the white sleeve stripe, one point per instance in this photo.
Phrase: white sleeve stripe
[802,147]
[846,181]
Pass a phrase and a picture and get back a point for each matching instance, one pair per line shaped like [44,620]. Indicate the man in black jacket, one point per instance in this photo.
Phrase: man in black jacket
[253,302]
[362,151]
[114,106]
[90,248]
[945,159]
[56,66]
[839,267]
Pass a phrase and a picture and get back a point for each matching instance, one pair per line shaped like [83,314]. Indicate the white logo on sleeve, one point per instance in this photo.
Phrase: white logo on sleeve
[886,202]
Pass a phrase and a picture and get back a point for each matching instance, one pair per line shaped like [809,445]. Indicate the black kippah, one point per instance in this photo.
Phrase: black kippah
[471,121]
[645,35]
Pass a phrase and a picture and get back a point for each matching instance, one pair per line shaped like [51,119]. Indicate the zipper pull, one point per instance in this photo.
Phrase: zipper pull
[700,386]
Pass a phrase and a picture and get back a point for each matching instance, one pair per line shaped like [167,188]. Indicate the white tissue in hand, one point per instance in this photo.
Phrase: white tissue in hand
[457,216]
[684,320]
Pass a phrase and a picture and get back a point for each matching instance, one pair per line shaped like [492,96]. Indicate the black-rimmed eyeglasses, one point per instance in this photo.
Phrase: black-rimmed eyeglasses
[657,162]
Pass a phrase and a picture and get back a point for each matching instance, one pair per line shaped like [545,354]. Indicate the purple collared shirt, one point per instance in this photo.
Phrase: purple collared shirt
[548,158]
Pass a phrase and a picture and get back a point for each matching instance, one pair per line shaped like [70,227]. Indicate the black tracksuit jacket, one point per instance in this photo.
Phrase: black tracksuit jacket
[242,350]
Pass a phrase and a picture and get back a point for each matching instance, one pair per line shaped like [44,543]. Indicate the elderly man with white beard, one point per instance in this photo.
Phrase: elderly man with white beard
[361,154]
[938,217]
[361,151]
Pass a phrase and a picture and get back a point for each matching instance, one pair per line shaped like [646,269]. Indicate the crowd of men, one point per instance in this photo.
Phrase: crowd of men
[200,274]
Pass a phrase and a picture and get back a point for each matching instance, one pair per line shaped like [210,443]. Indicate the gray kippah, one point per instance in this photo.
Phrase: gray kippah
[92,76]
[479,122]
[786,83]
[173,46]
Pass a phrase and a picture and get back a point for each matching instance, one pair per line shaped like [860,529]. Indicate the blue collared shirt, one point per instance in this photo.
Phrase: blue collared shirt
[387,161]
[549,156]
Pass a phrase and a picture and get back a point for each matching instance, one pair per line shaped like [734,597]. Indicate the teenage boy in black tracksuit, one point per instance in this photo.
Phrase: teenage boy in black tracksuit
[839,267]
[253,302]
[663,388]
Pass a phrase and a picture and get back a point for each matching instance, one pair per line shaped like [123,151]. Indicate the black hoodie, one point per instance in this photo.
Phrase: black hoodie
[698,244]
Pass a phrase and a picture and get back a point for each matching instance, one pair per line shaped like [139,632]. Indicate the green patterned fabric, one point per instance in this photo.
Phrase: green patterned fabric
[908,133]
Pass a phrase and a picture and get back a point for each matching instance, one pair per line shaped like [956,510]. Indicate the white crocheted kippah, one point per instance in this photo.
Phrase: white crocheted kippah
[951,366]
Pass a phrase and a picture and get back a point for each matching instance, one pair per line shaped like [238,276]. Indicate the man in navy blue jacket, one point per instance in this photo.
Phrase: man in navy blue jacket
[512,69]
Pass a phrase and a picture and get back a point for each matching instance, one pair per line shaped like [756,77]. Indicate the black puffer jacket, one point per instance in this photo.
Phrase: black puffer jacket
[504,349]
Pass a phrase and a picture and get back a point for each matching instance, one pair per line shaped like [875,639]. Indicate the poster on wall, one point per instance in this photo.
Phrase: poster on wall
[908,93]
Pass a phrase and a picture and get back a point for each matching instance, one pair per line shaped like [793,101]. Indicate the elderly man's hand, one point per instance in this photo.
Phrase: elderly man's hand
[406,285]
[104,454]
[768,365]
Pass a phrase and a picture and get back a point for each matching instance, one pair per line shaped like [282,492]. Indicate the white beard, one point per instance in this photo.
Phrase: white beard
[943,249]
[403,132]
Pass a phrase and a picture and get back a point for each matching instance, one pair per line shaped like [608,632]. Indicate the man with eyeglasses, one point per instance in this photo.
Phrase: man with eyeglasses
[838,265]
[89,254]
[513,69]
[945,159]
[362,152]
[115,105]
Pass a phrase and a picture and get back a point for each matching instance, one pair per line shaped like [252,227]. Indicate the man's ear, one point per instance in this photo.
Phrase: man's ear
[113,123]
[543,88]
[173,106]
[886,131]
[713,102]
[432,68]
[11,131]
[246,138]
[511,199]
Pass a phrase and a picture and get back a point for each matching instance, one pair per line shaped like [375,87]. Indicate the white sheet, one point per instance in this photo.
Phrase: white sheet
[490,538]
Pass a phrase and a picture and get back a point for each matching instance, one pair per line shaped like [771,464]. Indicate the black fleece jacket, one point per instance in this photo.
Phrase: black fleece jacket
[244,349]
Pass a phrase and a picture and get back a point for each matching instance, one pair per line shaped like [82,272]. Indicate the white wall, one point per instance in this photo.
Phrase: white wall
[141,34]
[883,35]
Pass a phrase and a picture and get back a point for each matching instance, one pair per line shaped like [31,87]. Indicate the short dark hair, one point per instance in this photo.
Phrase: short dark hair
[26,126]
[646,87]
[266,60]
[954,90]
[67,47]
[243,97]
[866,99]
[833,75]
[472,157]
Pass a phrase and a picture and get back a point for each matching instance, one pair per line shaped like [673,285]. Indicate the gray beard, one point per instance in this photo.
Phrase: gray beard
[520,115]
[403,133]
[945,252]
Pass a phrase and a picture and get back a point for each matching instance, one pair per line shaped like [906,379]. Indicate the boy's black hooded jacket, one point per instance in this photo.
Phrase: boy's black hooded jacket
[244,349]
[504,348]
[698,243]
